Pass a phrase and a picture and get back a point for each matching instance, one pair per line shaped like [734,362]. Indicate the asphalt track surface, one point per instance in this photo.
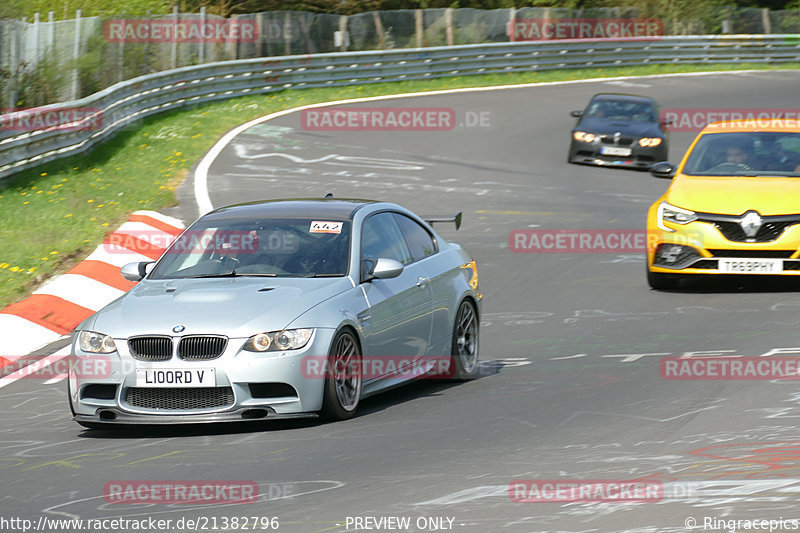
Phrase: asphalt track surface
[571,344]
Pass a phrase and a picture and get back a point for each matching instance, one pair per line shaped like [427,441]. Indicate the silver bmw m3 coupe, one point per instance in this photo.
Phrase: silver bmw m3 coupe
[277,309]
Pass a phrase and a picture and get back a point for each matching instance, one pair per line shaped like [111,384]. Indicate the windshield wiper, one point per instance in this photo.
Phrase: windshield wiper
[229,274]
[232,274]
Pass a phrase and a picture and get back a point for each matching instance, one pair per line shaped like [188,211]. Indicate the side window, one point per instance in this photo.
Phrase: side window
[419,241]
[381,237]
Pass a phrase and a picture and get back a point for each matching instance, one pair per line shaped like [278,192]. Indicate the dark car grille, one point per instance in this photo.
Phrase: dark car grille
[621,141]
[776,254]
[180,399]
[201,347]
[151,348]
[768,232]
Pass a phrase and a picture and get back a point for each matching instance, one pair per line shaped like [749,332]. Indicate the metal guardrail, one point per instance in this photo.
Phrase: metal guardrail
[122,105]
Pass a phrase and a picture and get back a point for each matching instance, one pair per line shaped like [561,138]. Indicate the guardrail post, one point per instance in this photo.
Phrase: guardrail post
[146,45]
[76,52]
[343,37]
[121,56]
[36,47]
[376,18]
[174,48]
[287,33]
[765,21]
[260,29]
[13,60]
[512,19]
[418,27]
[448,25]
[201,46]
[233,44]
[51,30]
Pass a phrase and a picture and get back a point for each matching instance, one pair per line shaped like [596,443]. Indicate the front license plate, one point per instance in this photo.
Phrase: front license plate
[172,377]
[751,266]
[613,150]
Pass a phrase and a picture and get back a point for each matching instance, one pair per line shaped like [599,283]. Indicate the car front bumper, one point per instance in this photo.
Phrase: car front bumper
[639,157]
[248,386]
[704,248]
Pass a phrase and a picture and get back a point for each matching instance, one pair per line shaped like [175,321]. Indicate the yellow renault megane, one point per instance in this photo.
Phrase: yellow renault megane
[733,206]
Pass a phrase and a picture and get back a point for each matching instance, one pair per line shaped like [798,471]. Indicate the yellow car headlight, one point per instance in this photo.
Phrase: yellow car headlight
[676,215]
[584,137]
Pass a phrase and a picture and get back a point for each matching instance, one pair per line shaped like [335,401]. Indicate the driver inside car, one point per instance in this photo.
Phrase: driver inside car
[737,155]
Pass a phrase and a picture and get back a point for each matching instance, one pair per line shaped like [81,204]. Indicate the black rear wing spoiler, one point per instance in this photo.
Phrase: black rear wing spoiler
[456,219]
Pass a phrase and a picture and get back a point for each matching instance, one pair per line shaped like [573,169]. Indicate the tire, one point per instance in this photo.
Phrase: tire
[662,282]
[343,378]
[465,342]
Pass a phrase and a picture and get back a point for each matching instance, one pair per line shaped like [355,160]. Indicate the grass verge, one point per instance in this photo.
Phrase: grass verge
[53,216]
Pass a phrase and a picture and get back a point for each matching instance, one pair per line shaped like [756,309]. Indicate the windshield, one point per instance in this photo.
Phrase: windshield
[759,153]
[621,110]
[258,247]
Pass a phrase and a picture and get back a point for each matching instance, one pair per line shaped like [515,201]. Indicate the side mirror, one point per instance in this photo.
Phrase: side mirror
[663,169]
[137,271]
[383,268]
[576,113]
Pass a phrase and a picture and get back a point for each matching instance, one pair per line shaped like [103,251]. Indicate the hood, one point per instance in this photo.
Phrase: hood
[625,127]
[234,307]
[736,195]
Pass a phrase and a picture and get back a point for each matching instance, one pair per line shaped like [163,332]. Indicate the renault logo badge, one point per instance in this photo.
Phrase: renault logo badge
[751,222]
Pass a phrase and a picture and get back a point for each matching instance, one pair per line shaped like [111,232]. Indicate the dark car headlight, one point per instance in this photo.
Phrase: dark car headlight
[277,341]
[649,142]
[584,137]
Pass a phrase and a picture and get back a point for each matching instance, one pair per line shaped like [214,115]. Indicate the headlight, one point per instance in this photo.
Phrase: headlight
[276,341]
[676,215]
[93,342]
[648,142]
[583,136]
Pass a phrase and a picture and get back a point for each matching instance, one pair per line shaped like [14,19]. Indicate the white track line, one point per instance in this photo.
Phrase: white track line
[201,194]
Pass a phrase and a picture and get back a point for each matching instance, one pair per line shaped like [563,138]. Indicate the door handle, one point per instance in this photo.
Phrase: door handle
[422,281]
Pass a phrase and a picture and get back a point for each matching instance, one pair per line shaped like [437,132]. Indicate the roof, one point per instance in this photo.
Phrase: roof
[328,208]
[622,97]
